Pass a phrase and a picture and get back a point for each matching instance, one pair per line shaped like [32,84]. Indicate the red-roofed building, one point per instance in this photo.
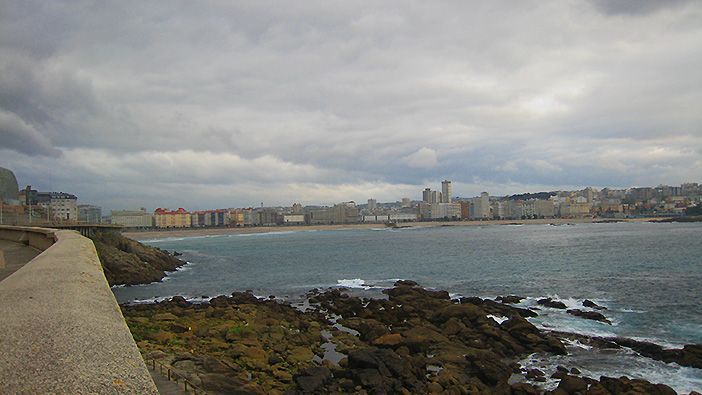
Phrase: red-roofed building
[165,218]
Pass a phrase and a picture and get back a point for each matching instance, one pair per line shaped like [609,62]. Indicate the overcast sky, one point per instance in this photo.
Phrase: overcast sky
[207,104]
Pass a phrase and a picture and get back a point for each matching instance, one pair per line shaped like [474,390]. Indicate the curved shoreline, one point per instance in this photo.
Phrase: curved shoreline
[195,232]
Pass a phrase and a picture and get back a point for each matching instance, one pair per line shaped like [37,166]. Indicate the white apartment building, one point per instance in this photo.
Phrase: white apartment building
[132,218]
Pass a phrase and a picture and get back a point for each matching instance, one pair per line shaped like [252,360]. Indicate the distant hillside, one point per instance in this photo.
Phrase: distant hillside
[129,262]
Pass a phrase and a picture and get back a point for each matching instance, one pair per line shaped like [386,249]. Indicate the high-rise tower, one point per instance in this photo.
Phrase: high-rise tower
[446,191]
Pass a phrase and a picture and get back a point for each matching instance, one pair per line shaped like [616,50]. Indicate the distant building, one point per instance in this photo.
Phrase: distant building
[60,206]
[342,213]
[372,204]
[501,209]
[165,218]
[426,195]
[293,219]
[88,213]
[297,208]
[209,218]
[446,191]
[385,218]
[406,202]
[132,218]
[543,208]
[480,207]
[435,211]
[267,217]
[465,209]
[345,213]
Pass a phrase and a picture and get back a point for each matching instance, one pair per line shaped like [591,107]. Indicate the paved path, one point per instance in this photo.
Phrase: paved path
[16,255]
[165,386]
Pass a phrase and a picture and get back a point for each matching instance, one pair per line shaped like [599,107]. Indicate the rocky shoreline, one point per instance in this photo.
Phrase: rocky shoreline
[415,341]
[128,262]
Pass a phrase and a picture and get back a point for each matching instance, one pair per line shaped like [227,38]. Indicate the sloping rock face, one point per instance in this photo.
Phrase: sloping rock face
[129,262]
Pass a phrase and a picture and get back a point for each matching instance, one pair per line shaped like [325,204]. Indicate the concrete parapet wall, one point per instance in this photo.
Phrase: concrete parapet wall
[61,330]
[38,238]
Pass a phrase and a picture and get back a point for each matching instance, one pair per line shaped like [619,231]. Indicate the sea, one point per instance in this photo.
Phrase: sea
[647,275]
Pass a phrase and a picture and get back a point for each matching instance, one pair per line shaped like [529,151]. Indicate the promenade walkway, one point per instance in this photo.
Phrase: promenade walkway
[15,256]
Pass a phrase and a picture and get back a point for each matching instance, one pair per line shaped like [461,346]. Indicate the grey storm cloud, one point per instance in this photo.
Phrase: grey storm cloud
[207,104]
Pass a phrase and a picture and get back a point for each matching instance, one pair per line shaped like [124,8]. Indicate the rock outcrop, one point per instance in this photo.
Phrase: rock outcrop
[415,341]
[126,261]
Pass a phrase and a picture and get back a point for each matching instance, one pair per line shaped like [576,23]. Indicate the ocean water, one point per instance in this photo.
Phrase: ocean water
[648,275]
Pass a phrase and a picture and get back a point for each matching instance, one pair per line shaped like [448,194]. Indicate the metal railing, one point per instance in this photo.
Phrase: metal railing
[172,375]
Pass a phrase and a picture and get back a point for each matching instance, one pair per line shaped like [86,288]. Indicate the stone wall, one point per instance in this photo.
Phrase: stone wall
[61,329]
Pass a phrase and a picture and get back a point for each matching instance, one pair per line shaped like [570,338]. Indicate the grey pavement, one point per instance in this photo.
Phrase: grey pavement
[62,331]
[16,255]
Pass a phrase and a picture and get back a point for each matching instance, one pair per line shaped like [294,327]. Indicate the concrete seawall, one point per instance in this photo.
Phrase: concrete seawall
[61,330]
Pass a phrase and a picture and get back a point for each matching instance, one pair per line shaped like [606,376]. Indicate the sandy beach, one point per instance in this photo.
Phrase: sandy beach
[194,232]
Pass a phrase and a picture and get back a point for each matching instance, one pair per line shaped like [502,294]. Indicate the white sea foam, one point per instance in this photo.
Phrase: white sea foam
[272,233]
[576,343]
[625,310]
[593,363]
[188,266]
[353,283]
[498,319]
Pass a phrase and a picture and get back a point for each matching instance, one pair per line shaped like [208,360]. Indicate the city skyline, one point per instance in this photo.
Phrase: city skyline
[213,105]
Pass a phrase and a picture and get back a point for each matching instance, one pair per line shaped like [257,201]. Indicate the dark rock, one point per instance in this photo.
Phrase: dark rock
[637,386]
[362,359]
[548,302]
[524,389]
[561,369]
[179,301]
[216,382]
[558,374]
[487,366]
[593,305]
[511,299]
[574,371]
[219,301]
[407,283]
[572,384]
[590,315]
[460,311]
[369,378]
[126,261]
[690,355]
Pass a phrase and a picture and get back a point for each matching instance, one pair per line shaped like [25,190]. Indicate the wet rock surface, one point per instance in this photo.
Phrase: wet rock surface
[590,315]
[555,304]
[415,341]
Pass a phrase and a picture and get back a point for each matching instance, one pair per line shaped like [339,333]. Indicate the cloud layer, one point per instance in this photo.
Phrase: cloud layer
[213,104]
